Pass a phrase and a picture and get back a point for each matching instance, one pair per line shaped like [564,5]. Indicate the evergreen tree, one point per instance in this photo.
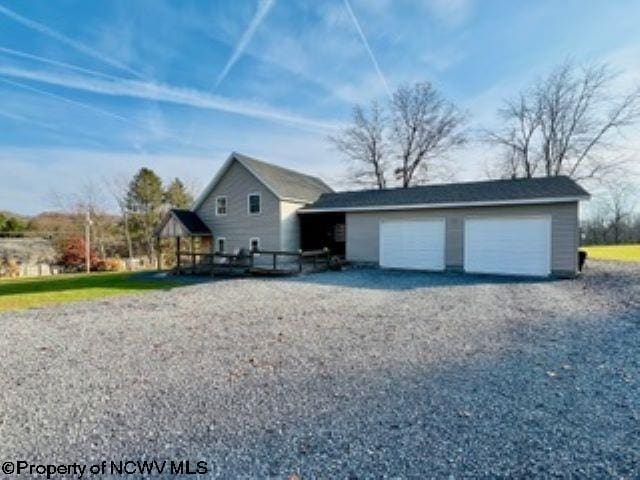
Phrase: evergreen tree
[177,196]
[144,201]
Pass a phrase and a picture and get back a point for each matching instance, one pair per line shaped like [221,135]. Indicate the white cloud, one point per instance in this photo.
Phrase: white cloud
[264,6]
[26,182]
[78,46]
[65,99]
[451,12]
[29,175]
[55,63]
[167,93]
[441,59]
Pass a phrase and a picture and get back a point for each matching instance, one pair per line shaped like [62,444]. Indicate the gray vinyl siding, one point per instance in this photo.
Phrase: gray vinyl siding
[363,242]
[237,226]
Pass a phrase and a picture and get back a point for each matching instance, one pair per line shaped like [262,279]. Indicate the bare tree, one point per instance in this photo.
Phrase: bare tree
[425,127]
[119,187]
[566,124]
[88,197]
[620,207]
[520,159]
[612,217]
[363,143]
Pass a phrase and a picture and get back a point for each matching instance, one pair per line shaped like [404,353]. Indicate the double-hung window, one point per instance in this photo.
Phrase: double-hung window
[221,205]
[254,206]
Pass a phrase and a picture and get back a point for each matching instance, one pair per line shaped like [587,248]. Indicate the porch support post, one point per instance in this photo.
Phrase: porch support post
[193,255]
[178,254]
[159,253]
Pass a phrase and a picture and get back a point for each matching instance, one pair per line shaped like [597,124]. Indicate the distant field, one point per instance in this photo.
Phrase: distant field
[23,293]
[622,253]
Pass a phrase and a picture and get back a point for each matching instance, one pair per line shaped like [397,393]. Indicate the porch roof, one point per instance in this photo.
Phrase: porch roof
[179,222]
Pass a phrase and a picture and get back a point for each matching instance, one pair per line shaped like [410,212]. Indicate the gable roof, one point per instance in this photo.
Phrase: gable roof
[190,221]
[283,183]
[492,192]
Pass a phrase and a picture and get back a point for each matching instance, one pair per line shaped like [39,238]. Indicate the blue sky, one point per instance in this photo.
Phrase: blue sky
[94,89]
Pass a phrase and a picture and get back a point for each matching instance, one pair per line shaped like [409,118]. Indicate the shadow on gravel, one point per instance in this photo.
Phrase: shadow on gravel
[375,278]
[563,401]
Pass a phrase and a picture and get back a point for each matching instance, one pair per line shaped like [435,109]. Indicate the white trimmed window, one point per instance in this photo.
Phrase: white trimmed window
[254,204]
[254,244]
[221,205]
[221,243]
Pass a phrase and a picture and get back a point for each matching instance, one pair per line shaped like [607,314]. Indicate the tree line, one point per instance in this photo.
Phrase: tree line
[566,123]
[142,201]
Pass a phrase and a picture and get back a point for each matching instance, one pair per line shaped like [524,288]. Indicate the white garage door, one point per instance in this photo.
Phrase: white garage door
[515,246]
[414,244]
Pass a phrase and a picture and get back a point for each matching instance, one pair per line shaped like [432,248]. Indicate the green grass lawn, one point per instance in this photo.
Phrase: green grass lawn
[622,253]
[22,293]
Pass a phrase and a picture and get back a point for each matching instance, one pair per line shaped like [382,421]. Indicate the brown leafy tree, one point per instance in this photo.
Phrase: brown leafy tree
[74,254]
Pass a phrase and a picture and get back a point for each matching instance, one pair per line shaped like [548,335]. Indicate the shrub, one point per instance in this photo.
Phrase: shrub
[73,254]
[110,265]
[11,268]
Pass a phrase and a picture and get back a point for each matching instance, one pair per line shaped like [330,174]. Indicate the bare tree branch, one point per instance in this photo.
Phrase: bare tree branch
[363,143]
[425,127]
[563,122]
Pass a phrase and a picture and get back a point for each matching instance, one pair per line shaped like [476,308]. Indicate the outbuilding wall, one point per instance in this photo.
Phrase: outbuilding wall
[363,231]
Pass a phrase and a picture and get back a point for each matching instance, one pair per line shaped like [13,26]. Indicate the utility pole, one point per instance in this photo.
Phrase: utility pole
[87,242]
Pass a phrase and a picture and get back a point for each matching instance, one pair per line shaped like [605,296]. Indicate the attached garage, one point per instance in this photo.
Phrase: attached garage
[412,244]
[506,227]
[508,245]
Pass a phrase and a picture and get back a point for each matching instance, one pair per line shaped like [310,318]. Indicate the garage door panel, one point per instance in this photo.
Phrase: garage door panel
[520,246]
[416,244]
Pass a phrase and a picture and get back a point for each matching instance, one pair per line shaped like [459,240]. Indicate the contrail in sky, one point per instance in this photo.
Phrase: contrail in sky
[64,99]
[49,61]
[367,47]
[264,6]
[166,93]
[43,29]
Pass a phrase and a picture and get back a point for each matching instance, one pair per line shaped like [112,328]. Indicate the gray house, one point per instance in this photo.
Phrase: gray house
[512,227]
[249,204]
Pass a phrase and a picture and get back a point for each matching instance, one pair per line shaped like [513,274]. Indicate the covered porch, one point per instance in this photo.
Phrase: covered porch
[320,231]
[191,238]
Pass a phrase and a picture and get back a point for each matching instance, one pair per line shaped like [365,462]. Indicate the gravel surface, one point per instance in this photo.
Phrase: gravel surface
[355,374]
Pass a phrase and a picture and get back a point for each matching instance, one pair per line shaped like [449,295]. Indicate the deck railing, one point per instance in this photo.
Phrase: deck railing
[258,261]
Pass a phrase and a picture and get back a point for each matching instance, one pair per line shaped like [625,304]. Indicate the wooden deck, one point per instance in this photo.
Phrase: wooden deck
[262,262]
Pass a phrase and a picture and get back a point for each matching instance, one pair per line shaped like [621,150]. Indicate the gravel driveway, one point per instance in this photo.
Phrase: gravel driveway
[355,374]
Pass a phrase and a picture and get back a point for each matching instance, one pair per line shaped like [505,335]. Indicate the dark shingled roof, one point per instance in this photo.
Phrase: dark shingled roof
[487,191]
[191,221]
[284,182]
